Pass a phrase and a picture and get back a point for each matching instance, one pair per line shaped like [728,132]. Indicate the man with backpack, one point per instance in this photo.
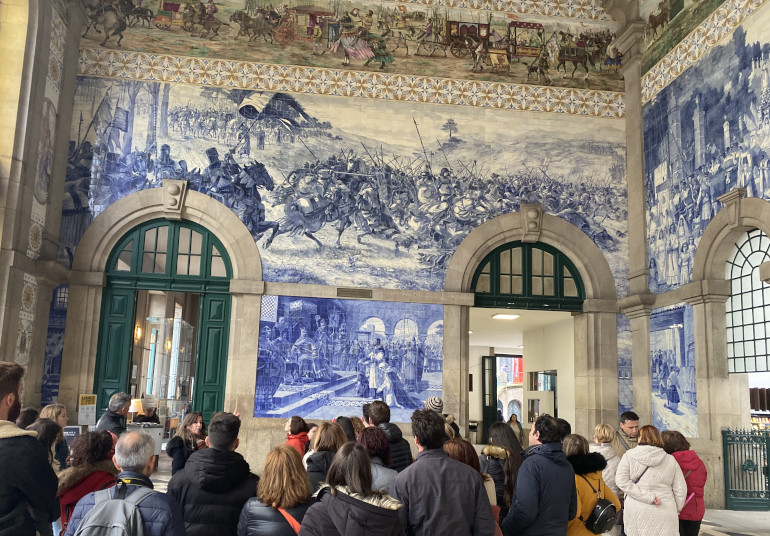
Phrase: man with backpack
[215,482]
[131,507]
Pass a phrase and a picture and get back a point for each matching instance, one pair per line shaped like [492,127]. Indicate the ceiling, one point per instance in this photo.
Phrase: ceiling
[507,333]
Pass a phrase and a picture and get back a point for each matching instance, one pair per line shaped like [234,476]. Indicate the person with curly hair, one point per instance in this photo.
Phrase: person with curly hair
[90,468]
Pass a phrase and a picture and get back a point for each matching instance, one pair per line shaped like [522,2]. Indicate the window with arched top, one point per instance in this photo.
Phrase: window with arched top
[174,255]
[521,275]
[748,308]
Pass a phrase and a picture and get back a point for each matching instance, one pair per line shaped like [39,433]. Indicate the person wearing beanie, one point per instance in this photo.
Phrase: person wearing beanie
[434,403]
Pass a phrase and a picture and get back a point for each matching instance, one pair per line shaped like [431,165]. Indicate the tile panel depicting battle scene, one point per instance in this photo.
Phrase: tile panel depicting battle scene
[574,50]
[345,192]
[322,358]
[705,134]
[672,369]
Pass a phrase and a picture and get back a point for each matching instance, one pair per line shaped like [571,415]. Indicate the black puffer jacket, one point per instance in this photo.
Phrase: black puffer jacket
[27,482]
[400,451]
[111,422]
[492,462]
[545,498]
[258,519]
[318,465]
[179,452]
[212,489]
[345,514]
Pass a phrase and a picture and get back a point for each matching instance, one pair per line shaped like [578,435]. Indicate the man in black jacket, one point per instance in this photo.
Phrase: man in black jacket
[113,420]
[400,451]
[546,498]
[27,481]
[215,482]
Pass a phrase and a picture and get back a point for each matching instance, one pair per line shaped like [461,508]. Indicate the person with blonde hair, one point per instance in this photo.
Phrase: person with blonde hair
[589,483]
[58,414]
[604,435]
[329,438]
[654,486]
[283,496]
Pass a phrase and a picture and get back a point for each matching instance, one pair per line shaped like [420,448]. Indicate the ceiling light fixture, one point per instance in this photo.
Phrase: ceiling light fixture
[470,331]
[501,316]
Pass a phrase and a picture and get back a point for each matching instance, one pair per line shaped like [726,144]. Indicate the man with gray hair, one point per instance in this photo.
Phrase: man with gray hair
[135,459]
[112,420]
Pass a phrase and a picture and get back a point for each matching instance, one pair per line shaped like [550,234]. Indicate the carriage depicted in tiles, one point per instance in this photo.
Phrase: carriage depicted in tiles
[463,37]
[169,14]
[298,23]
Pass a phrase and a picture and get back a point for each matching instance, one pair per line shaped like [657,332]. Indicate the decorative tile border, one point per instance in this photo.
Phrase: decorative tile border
[397,87]
[574,9]
[719,24]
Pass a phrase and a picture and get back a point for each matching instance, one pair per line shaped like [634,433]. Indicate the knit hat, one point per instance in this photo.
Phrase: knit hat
[434,403]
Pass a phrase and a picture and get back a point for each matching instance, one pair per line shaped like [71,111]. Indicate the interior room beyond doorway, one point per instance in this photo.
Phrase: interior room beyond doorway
[534,366]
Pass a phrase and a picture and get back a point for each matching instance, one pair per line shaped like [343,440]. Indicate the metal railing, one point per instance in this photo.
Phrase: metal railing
[746,455]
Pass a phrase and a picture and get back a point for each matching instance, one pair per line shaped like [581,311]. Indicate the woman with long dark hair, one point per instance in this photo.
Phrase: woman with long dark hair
[501,459]
[283,496]
[328,440]
[346,503]
[90,468]
[185,441]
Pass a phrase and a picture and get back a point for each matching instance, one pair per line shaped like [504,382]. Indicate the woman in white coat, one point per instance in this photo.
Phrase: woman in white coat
[654,486]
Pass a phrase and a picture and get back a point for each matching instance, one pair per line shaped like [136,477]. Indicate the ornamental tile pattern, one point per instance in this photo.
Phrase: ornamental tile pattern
[320,81]
[717,26]
[574,9]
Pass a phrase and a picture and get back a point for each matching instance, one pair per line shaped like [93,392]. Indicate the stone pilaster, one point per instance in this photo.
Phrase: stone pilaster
[638,308]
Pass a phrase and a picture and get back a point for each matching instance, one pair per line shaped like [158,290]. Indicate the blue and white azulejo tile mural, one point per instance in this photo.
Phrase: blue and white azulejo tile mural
[322,358]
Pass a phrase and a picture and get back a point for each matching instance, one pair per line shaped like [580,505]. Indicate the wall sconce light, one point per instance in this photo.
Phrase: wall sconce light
[138,332]
[168,345]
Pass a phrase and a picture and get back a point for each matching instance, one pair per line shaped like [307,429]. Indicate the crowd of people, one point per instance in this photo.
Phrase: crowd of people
[352,475]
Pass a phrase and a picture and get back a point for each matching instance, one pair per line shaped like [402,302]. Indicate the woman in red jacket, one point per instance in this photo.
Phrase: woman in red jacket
[89,469]
[695,475]
[296,433]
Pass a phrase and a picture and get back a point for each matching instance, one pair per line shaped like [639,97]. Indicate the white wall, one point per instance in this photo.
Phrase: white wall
[553,348]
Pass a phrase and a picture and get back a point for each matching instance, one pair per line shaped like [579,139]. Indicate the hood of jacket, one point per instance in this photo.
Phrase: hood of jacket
[320,461]
[605,449]
[216,470]
[688,460]
[552,451]
[495,452]
[9,429]
[647,455]
[392,431]
[302,436]
[352,514]
[72,475]
[587,463]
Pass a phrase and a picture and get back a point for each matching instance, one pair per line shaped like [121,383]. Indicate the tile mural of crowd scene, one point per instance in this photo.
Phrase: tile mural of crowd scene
[668,23]
[672,366]
[705,134]
[346,192]
[405,38]
[625,368]
[321,358]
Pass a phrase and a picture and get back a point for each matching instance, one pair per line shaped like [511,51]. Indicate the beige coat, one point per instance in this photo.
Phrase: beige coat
[621,440]
[657,474]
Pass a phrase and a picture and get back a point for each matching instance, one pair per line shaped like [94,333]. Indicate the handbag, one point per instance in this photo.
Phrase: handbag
[602,517]
[290,520]
[619,515]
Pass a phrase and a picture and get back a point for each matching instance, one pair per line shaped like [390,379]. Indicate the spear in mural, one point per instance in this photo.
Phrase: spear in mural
[369,154]
[427,160]
[306,147]
[445,157]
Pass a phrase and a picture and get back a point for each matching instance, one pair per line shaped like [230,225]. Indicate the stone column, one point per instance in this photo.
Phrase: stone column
[456,363]
[629,44]
[638,308]
[596,366]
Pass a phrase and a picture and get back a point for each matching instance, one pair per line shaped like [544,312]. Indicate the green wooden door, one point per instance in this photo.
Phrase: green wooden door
[489,394]
[211,363]
[113,356]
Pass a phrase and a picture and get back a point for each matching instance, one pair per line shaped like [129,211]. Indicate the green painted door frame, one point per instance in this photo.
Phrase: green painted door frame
[489,395]
[168,256]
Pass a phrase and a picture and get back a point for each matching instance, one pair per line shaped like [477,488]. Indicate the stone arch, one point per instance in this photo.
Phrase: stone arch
[87,279]
[738,215]
[125,214]
[588,258]
[595,330]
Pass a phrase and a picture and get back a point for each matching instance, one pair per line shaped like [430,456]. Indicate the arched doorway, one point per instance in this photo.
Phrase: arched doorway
[165,256]
[594,339]
[515,278]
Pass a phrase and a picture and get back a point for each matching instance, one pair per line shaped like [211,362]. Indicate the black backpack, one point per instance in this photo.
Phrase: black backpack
[602,517]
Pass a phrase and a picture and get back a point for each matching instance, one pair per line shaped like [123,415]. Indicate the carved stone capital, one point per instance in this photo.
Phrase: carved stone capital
[637,305]
[532,222]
